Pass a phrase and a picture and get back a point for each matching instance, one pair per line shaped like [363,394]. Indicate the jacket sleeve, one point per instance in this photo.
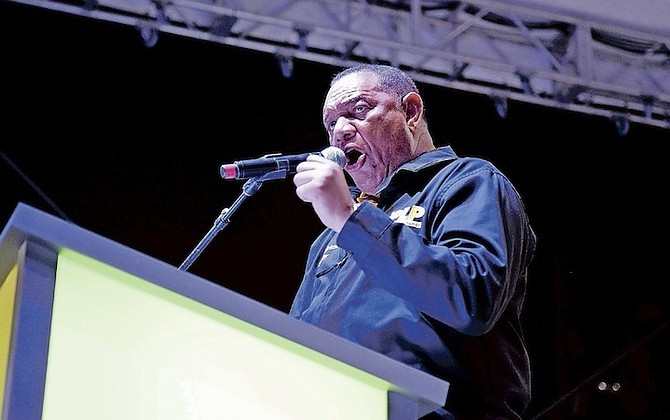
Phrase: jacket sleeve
[463,264]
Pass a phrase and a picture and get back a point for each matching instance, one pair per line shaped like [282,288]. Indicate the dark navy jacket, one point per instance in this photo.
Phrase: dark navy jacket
[433,276]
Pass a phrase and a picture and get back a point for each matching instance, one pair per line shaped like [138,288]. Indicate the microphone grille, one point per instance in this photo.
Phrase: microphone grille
[335,154]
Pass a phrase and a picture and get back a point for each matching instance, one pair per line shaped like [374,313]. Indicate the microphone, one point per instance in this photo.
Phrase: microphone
[278,165]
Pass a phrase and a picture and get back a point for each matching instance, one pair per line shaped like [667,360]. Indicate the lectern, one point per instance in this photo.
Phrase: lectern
[92,329]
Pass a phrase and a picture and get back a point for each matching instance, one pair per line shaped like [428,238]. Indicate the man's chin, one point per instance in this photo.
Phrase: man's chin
[364,182]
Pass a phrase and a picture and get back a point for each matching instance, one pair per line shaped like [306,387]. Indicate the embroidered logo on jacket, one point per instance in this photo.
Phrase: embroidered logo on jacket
[409,215]
[327,252]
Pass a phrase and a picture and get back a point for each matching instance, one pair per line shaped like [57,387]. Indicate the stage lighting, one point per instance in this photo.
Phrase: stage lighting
[500,103]
[149,36]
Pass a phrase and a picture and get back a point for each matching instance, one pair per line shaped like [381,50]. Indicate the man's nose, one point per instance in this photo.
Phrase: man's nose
[343,131]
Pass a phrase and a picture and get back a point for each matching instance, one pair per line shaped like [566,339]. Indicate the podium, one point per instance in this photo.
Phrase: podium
[92,329]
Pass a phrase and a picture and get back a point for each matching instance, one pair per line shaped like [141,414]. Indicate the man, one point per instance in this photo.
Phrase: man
[425,260]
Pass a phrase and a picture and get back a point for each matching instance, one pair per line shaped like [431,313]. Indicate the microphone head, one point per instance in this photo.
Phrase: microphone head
[335,154]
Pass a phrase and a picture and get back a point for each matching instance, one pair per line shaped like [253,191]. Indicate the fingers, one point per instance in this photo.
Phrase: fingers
[315,174]
[313,162]
[321,183]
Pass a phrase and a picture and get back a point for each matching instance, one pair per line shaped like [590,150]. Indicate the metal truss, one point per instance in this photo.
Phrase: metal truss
[493,48]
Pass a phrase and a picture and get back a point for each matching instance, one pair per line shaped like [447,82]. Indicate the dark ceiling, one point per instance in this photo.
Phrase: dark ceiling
[127,141]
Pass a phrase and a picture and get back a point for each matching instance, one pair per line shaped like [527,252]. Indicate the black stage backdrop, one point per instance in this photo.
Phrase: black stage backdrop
[127,141]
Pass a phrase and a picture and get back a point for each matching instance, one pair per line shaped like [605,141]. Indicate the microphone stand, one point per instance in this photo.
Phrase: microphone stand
[248,189]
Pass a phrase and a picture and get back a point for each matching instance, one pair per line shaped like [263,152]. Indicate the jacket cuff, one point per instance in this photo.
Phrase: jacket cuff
[363,229]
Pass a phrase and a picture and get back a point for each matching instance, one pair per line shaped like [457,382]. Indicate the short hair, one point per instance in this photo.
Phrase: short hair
[391,79]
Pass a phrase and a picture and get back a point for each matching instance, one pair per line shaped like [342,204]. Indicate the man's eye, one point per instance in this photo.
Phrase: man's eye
[360,109]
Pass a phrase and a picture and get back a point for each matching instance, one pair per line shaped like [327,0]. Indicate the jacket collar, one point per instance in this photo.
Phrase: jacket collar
[426,160]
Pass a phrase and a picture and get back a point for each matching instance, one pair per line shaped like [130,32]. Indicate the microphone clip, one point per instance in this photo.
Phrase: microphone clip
[282,171]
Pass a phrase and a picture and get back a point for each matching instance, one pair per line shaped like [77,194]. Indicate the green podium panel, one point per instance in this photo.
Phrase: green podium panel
[92,329]
[7,303]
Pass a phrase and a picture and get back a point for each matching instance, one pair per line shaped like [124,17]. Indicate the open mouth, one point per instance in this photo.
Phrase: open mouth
[352,156]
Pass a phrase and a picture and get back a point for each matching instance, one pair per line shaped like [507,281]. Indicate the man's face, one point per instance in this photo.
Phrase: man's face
[370,126]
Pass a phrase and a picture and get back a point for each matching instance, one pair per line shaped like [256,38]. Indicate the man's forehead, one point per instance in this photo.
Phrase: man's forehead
[362,79]
[350,88]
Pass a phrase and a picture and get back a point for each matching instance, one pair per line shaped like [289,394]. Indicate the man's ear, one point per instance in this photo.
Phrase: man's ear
[413,106]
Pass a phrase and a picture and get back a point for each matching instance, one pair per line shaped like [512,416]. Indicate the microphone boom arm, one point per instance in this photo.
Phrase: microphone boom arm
[248,189]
